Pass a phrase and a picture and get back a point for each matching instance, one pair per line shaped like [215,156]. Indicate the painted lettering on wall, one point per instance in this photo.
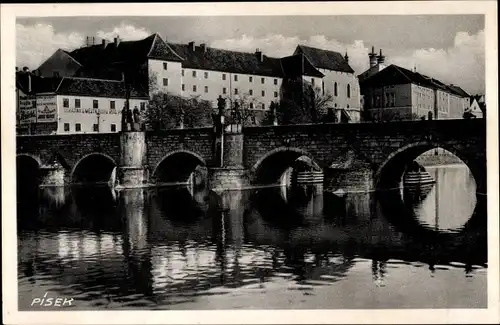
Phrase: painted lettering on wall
[46,107]
[93,111]
[27,109]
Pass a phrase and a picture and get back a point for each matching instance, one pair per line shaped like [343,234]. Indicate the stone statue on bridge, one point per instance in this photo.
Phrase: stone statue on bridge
[221,105]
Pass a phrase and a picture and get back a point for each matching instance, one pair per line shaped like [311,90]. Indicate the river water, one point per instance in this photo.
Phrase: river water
[179,248]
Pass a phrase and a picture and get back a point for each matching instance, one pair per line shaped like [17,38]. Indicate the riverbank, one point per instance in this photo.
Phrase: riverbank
[440,159]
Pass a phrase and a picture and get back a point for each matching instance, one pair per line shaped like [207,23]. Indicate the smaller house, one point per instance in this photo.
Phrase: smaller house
[477,107]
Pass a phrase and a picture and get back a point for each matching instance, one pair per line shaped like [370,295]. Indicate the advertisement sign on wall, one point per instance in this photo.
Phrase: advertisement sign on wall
[46,107]
[27,108]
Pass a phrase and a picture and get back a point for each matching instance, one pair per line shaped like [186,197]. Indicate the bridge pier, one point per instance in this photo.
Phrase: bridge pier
[132,172]
[231,174]
[350,173]
[52,175]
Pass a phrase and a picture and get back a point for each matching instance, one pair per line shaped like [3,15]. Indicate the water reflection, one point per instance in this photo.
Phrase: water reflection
[171,247]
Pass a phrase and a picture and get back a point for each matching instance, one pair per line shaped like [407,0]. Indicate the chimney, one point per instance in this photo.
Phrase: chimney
[373,57]
[104,43]
[381,58]
[117,41]
[203,47]
[29,82]
[259,54]
[191,46]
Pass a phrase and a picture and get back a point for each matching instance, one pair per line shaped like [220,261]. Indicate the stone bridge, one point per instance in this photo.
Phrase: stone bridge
[367,154]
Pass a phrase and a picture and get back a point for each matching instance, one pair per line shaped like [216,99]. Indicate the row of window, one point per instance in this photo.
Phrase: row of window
[336,90]
[224,90]
[224,76]
[95,103]
[78,127]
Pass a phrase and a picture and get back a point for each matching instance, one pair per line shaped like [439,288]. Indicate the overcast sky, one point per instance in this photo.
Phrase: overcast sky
[450,48]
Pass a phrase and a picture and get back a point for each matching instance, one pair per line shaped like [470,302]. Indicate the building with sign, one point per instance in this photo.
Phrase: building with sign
[253,79]
[71,105]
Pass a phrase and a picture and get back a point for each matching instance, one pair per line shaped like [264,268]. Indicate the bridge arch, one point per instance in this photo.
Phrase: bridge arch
[271,166]
[389,173]
[27,169]
[93,168]
[177,167]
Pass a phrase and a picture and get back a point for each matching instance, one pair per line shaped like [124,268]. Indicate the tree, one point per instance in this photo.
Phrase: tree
[168,111]
[240,111]
[390,115]
[302,103]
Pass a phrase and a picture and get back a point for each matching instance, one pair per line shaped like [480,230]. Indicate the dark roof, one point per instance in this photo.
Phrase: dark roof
[325,59]
[396,75]
[38,84]
[299,65]
[208,58]
[96,88]
[153,47]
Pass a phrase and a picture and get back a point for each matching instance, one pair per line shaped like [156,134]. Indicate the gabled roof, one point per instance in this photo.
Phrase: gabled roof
[208,58]
[96,88]
[299,65]
[396,75]
[153,47]
[325,59]
[38,84]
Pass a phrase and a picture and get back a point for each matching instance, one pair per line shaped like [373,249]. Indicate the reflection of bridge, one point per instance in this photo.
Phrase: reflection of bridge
[145,249]
[368,154]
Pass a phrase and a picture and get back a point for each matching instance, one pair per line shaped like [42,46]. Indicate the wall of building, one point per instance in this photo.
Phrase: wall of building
[172,73]
[87,116]
[60,62]
[395,97]
[422,99]
[449,106]
[250,91]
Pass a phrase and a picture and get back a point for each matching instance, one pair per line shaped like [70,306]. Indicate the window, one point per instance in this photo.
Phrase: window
[95,103]
[164,65]
[112,104]
[194,88]
[77,103]
[263,106]
[348,91]
[275,94]
[263,93]
[66,127]
[143,106]
[182,73]
[235,77]
[251,105]
[183,87]
[236,91]
[224,90]
[275,81]
[96,128]
[250,92]
[335,89]
[194,74]
[312,81]
[223,76]
[206,89]
[65,102]
[323,87]
[56,74]
[165,81]
[347,105]
[250,79]
[262,80]
[113,127]
[206,75]
[78,127]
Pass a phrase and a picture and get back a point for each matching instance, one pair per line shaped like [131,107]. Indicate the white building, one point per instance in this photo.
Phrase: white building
[72,105]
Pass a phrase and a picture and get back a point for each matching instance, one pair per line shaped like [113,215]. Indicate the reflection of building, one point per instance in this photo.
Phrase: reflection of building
[71,105]
[394,92]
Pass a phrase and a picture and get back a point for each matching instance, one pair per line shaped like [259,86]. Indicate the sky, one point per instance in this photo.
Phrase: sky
[447,47]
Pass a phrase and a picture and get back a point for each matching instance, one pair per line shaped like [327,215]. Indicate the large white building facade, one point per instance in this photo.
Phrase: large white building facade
[152,65]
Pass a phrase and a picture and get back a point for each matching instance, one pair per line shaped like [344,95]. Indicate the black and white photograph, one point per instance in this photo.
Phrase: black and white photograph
[202,158]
